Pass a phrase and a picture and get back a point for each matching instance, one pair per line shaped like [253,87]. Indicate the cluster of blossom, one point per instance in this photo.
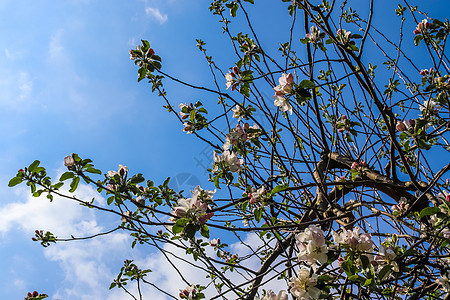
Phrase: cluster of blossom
[195,207]
[357,165]
[421,26]
[401,207]
[238,112]
[135,53]
[354,240]
[185,110]
[125,216]
[258,196]
[405,125]
[386,256]
[304,285]
[285,87]
[429,106]
[444,279]
[343,36]
[270,295]
[314,36]
[426,71]
[188,292]
[228,161]
[311,245]
[235,136]
[122,172]
[343,125]
[232,78]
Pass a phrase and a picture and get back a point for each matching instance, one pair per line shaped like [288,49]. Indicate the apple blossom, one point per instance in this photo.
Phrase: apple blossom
[421,26]
[258,196]
[188,128]
[343,36]
[354,239]
[270,295]
[312,246]
[429,106]
[229,160]
[386,256]
[235,136]
[69,161]
[195,207]
[444,282]
[238,112]
[183,114]
[283,103]
[231,79]
[303,286]
[314,35]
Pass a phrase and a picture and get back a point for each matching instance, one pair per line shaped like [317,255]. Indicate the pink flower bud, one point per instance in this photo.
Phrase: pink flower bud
[235,70]
[355,165]
[344,117]
[400,126]
[424,72]
[69,161]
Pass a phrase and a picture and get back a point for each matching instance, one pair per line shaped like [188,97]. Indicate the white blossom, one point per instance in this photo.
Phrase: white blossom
[229,159]
[312,246]
[303,286]
[270,295]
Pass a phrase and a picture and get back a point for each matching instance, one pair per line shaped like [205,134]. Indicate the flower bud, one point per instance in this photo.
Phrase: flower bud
[400,126]
[69,161]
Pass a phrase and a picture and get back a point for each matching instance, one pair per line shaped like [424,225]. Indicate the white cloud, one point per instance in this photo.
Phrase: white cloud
[55,47]
[156,13]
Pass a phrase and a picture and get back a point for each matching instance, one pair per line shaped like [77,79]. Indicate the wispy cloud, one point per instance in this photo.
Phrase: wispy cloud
[156,13]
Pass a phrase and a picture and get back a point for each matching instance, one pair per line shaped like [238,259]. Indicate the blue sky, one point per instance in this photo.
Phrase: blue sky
[67,85]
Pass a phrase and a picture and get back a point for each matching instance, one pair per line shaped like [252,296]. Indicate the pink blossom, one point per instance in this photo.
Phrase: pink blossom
[421,26]
[69,161]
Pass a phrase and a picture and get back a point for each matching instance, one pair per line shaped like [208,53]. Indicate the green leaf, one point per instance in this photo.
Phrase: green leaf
[190,230]
[33,165]
[93,170]
[250,1]
[66,175]
[428,211]
[177,229]
[279,188]
[308,84]
[384,271]
[15,181]
[258,214]
[74,184]
[182,222]
[204,231]
[110,200]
